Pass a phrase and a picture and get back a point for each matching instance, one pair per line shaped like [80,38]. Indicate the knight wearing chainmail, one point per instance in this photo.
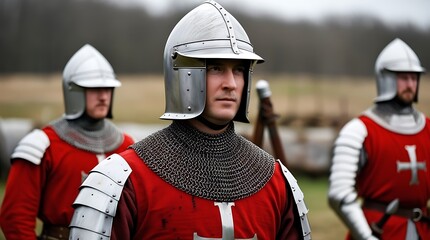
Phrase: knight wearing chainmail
[379,182]
[50,164]
[196,178]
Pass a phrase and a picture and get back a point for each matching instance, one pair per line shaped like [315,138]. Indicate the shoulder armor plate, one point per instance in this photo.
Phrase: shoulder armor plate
[342,194]
[345,163]
[32,147]
[352,134]
[97,201]
[299,199]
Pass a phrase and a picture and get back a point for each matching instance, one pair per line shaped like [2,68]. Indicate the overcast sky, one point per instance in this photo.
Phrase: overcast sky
[395,12]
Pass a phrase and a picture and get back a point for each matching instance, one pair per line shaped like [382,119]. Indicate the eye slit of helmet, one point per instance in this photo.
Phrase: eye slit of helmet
[186,62]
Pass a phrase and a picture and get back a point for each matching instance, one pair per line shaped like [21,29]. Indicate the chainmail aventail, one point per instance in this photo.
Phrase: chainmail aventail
[101,141]
[222,167]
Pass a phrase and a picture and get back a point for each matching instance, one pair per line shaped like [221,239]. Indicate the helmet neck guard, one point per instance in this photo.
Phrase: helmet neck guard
[104,138]
[396,117]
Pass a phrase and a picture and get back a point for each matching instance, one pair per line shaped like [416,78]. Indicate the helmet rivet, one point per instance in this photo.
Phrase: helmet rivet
[189,108]
[189,73]
[174,55]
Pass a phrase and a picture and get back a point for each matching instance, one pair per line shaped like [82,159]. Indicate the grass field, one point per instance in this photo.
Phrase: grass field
[141,100]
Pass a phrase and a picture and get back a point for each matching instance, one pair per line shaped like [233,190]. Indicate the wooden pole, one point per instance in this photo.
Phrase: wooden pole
[267,117]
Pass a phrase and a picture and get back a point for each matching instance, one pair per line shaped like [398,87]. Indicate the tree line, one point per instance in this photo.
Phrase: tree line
[40,37]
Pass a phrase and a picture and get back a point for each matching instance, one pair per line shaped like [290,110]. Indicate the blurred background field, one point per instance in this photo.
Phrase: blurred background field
[300,101]
[297,98]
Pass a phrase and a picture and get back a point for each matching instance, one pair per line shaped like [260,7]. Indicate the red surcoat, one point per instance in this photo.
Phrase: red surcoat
[150,208]
[46,191]
[393,159]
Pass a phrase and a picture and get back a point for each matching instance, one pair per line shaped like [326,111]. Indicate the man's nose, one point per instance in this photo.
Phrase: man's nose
[229,79]
[410,80]
[104,93]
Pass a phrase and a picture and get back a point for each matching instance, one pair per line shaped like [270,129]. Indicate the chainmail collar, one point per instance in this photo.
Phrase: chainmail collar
[104,140]
[399,120]
[219,167]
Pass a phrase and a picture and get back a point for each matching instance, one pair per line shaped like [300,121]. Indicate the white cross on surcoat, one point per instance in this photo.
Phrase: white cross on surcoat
[413,165]
[227,223]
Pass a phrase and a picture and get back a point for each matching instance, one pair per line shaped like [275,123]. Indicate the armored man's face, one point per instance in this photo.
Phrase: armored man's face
[225,80]
[98,101]
[407,83]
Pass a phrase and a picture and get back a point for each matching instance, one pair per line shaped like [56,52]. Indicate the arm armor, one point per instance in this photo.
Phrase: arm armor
[32,147]
[299,199]
[96,204]
[342,194]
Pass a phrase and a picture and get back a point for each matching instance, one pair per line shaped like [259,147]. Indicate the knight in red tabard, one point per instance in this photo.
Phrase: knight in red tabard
[50,164]
[383,157]
[196,178]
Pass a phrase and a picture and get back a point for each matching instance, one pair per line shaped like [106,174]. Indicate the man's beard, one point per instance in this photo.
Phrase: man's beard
[406,97]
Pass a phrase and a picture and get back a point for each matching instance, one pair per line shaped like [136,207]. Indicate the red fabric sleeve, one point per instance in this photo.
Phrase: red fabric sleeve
[291,227]
[123,224]
[21,201]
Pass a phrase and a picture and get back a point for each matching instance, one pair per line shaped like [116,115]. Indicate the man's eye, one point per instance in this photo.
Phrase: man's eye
[240,69]
[214,68]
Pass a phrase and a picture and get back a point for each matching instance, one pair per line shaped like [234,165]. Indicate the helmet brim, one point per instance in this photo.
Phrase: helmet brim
[405,68]
[99,83]
[221,53]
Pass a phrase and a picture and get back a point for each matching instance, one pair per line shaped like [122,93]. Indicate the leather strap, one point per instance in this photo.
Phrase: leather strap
[415,214]
[51,232]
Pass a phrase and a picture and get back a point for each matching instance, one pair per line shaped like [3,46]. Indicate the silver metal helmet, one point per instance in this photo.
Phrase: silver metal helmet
[87,68]
[397,56]
[206,32]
